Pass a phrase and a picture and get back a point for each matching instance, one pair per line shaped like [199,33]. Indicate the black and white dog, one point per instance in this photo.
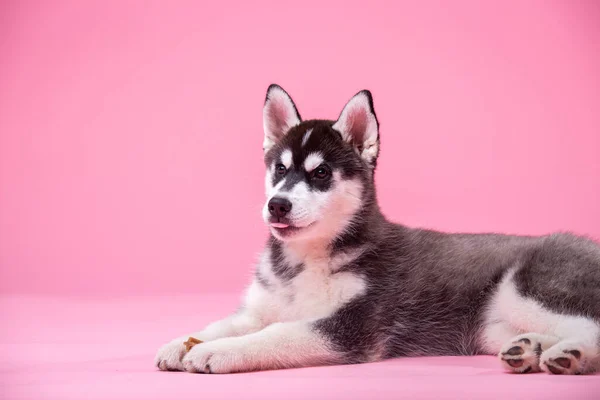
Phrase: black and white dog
[337,283]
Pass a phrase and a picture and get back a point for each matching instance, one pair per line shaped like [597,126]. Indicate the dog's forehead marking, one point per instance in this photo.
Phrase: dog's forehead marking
[312,161]
[306,136]
[273,190]
[286,158]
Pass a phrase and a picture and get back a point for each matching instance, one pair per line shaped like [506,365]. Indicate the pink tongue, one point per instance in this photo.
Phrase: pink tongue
[279,225]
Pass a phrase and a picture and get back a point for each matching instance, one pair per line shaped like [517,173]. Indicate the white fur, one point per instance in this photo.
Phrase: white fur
[314,293]
[528,343]
[281,345]
[323,214]
[281,314]
[286,158]
[589,360]
[169,356]
[524,315]
[509,316]
[269,179]
[279,116]
[274,328]
[358,125]
[312,161]
[306,137]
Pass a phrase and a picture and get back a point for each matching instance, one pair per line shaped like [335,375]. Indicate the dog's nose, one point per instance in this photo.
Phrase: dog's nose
[279,207]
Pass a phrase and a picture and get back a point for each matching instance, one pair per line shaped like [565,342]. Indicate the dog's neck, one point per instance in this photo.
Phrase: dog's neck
[307,250]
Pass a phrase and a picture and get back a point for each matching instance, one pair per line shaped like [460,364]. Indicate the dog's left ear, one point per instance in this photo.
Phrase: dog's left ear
[359,126]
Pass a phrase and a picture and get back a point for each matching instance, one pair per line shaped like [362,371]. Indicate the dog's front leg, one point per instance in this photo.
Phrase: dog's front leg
[280,345]
[241,323]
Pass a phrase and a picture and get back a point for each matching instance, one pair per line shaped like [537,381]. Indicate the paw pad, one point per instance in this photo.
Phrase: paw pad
[515,351]
[563,362]
[521,356]
[515,363]
[564,358]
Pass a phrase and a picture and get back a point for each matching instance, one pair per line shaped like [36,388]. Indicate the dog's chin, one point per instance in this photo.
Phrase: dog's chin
[290,233]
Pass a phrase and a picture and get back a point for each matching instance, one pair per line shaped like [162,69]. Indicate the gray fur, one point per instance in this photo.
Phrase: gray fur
[282,270]
[339,283]
[427,290]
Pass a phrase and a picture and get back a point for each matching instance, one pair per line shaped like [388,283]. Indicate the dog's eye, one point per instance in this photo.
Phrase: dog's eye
[280,169]
[321,172]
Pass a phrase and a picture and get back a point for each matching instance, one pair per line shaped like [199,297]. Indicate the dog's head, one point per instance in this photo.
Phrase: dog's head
[317,170]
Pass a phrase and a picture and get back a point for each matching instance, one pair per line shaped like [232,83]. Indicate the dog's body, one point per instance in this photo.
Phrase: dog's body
[337,283]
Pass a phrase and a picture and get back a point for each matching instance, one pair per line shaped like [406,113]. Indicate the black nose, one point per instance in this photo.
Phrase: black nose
[279,207]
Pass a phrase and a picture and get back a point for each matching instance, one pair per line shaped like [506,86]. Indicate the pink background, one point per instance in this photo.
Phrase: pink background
[130,134]
[131,174]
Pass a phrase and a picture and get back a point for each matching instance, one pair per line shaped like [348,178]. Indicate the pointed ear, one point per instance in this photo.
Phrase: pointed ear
[279,115]
[359,126]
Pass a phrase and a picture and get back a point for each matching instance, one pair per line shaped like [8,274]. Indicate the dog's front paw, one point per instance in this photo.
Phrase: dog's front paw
[169,356]
[218,357]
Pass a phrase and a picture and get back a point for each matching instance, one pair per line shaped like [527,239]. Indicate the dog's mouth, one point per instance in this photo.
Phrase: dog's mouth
[280,225]
[286,228]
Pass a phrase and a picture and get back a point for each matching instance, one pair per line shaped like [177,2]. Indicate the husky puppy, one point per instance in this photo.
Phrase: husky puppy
[337,283]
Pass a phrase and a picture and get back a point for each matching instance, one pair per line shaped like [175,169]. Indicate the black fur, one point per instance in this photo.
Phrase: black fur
[427,290]
[282,270]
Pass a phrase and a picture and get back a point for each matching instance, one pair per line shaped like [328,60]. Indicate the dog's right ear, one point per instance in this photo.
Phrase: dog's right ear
[279,115]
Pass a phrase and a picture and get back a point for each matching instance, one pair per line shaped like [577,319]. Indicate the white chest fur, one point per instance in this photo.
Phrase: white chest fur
[316,292]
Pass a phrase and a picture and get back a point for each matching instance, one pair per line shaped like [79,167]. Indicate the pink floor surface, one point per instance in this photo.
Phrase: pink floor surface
[82,348]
